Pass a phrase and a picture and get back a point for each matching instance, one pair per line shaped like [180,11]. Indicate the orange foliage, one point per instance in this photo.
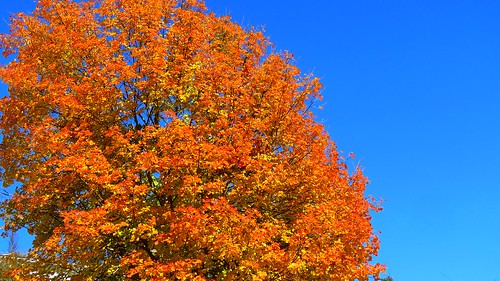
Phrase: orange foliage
[153,140]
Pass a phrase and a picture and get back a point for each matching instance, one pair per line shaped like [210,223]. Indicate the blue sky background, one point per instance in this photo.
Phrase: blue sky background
[412,88]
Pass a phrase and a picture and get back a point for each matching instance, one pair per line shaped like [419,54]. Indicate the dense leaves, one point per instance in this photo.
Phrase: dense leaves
[152,140]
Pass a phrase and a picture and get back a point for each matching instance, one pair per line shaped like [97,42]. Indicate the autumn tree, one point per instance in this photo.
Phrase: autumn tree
[153,140]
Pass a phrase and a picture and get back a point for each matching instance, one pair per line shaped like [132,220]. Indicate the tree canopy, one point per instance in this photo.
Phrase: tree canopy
[154,140]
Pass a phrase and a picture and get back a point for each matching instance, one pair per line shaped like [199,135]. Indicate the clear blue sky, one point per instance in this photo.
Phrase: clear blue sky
[412,87]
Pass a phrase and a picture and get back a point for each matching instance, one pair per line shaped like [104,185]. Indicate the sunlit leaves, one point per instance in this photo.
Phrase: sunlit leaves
[152,140]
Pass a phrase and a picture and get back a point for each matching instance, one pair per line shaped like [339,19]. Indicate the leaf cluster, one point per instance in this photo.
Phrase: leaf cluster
[153,140]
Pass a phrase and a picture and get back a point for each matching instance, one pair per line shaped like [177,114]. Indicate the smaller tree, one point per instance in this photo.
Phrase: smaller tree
[12,242]
[12,260]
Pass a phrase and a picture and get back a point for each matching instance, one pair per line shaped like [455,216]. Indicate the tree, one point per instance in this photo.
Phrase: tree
[13,259]
[153,140]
